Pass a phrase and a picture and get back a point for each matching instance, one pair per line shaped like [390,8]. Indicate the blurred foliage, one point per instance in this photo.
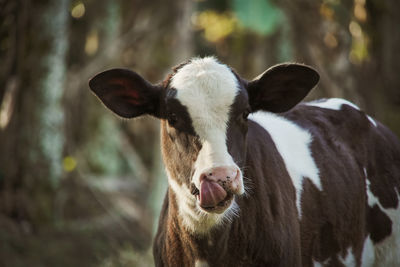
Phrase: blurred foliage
[75,176]
[69,163]
[260,16]
[216,26]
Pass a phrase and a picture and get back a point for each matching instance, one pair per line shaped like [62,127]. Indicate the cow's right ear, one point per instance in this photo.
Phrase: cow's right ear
[281,87]
[126,93]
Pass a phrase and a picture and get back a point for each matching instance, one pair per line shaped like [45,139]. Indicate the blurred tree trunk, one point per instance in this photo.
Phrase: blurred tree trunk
[119,151]
[32,129]
[383,69]
[354,45]
[320,38]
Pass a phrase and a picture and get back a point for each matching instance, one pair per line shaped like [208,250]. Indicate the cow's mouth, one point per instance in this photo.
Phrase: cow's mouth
[220,207]
[212,197]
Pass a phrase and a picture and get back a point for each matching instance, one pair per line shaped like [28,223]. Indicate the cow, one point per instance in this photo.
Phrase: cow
[256,178]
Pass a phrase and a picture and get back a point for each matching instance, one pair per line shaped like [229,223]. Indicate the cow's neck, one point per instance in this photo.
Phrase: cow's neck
[192,218]
[197,234]
[200,246]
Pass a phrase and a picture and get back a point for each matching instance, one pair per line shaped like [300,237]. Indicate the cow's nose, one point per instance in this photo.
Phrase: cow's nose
[229,177]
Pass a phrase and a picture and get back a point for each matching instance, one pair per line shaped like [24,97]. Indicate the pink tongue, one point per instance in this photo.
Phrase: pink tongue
[211,194]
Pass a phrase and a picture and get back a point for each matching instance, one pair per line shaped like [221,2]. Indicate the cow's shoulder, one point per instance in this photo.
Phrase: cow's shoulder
[332,116]
[293,143]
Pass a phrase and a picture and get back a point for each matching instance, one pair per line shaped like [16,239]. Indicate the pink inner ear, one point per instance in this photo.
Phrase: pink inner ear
[131,95]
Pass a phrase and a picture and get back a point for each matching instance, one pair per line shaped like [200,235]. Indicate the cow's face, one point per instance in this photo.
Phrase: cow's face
[203,106]
[206,109]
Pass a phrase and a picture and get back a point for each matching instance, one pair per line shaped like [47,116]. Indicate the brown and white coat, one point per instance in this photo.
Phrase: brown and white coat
[257,180]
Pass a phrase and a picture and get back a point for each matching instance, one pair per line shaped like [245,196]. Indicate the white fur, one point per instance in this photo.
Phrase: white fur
[368,256]
[332,103]
[293,144]
[371,120]
[213,153]
[348,260]
[319,264]
[208,89]
[336,104]
[372,199]
[386,251]
[195,219]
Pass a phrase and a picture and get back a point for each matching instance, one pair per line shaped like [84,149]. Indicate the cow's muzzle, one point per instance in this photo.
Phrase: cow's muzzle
[217,188]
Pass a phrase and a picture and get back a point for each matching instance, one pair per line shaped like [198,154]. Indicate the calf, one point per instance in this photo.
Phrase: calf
[255,180]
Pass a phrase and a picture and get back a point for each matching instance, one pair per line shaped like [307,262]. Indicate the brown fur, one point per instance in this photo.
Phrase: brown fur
[268,230]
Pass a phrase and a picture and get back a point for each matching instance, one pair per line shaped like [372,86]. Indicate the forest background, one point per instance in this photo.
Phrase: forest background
[81,187]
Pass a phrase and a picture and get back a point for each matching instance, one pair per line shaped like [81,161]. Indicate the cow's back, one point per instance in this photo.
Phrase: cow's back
[354,219]
[345,167]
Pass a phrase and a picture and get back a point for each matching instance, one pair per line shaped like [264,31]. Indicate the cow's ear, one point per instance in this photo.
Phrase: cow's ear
[126,93]
[281,87]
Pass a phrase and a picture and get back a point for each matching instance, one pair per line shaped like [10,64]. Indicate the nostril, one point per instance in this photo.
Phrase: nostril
[203,176]
[220,174]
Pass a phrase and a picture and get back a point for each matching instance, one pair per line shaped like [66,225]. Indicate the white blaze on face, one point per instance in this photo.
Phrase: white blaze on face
[208,89]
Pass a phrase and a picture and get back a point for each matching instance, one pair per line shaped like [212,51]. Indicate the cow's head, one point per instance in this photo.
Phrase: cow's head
[203,106]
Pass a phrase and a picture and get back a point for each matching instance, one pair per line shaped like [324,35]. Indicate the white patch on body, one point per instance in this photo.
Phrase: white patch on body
[332,103]
[321,264]
[371,120]
[348,260]
[336,104]
[372,199]
[293,144]
[368,255]
[387,250]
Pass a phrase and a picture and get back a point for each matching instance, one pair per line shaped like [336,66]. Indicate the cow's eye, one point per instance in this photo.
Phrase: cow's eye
[172,119]
[246,114]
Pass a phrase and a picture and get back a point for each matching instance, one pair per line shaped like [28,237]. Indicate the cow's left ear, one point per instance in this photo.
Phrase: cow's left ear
[126,93]
[281,87]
